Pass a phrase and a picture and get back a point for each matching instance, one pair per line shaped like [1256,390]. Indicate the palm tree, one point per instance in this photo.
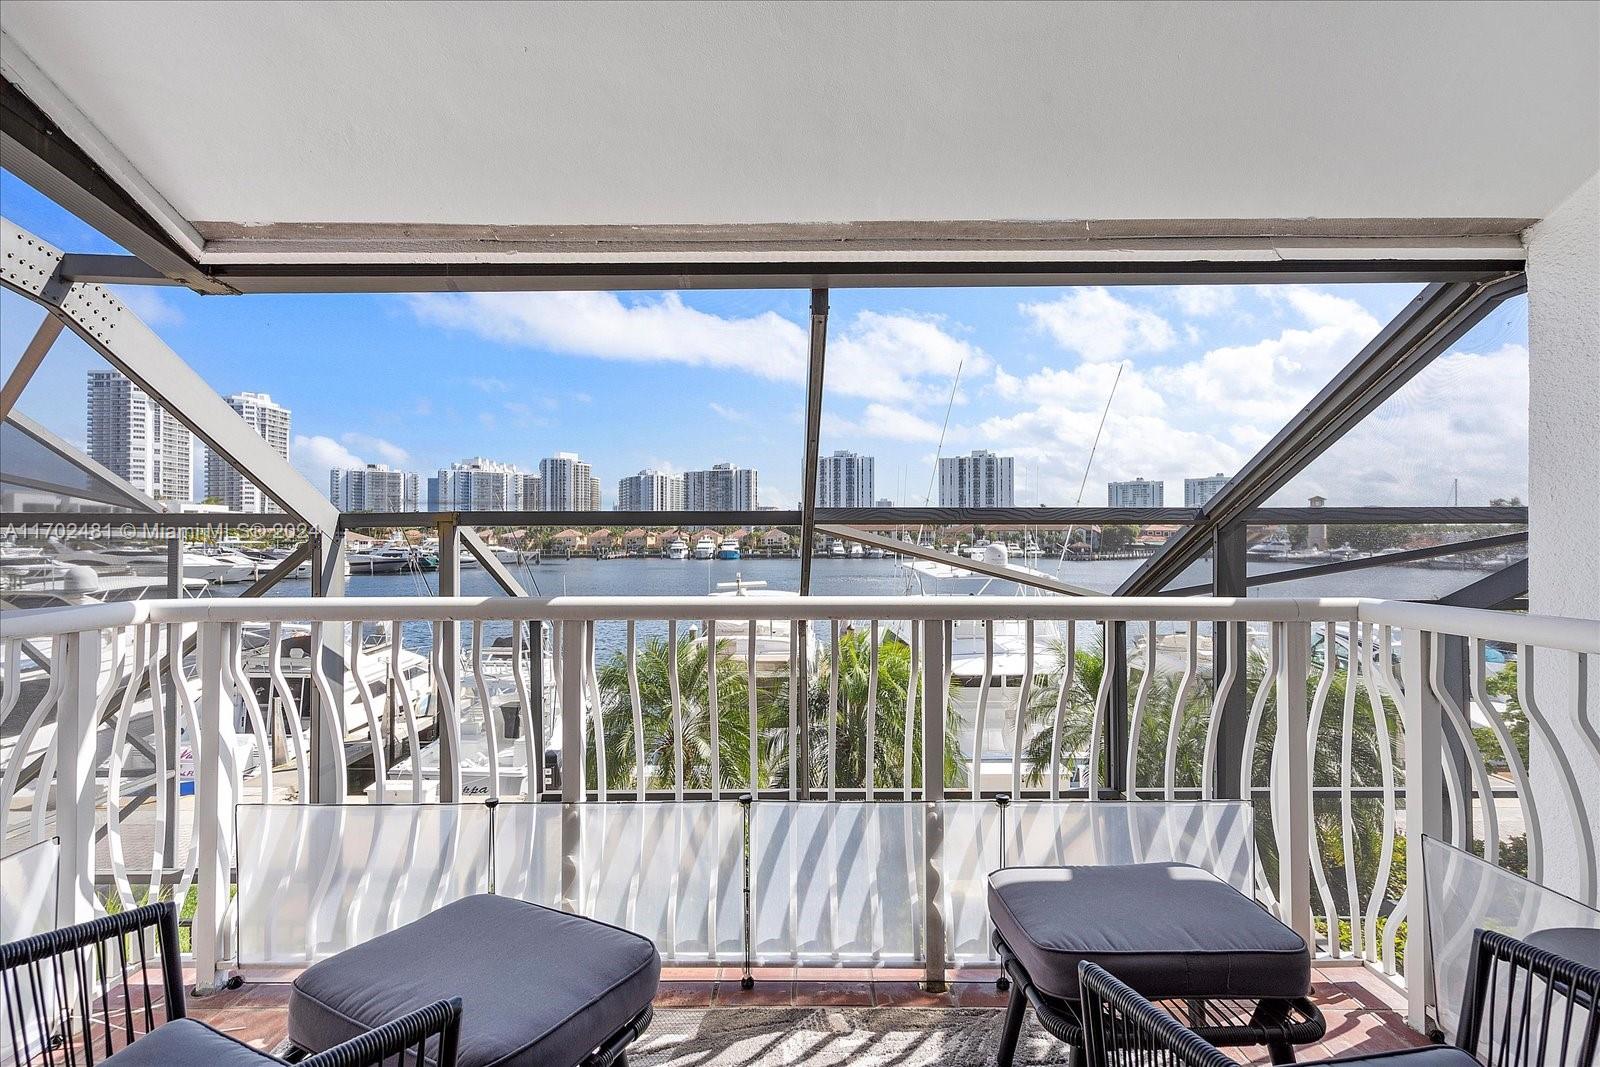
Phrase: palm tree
[894,676]
[653,667]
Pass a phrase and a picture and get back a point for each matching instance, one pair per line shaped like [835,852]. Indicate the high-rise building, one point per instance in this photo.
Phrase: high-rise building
[532,493]
[650,490]
[844,480]
[568,484]
[722,488]
[981,480]
[373,487]
[434,500]
[1196,491]
[480,484]
[130,434]
[224,481]
[1136,494]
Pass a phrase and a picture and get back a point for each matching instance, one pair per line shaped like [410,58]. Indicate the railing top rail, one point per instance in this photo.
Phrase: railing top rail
[1546,631]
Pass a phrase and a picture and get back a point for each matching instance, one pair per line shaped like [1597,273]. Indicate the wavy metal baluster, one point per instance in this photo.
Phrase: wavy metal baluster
[1180,697]
[913,687]
[833,708]
[239,682]
[1100,719]
[1519,772]
[159,742]
[332,714]
[1480,773]
[530,733]
[637,704]
[1023,693]
[1069,673]
[1237,651]
[713,709]
[1319,704]
[1391,685]
[190,721]
[1578,816]
[979,720]
[290,709]
[446,725]
[119,754]
[400,691]
[677,710]
[870,771]
[1136,725]
[591,679]
[1346,799]
[19,749]
[380,772]
[1247,765]
[11,677]
[751,695]
[491,728]
[1380,725]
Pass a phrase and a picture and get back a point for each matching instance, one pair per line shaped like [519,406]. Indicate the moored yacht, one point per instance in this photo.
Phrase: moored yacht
[678,548]
[729,549]
[705,547]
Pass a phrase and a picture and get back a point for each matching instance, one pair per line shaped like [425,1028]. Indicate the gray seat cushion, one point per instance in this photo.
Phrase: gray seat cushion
[186,1043]
[1576,943]
[537,986]
[1166,929]
[1422,1056]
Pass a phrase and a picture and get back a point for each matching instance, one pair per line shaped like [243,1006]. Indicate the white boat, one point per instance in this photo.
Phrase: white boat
[836,550]
[773,637]
[729,549]
[294,662]
[386,559]
[857,552]
[57,585]
[505,554]
[677,549]
[875,552]
[705,548]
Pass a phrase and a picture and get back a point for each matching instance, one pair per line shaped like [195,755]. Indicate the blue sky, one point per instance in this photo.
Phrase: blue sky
[679,381]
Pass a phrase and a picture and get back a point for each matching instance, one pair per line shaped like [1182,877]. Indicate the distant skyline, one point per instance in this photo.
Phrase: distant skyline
[675,381]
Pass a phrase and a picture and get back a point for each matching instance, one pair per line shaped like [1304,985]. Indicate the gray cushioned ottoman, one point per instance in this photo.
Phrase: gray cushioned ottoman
[186,1043]
[1166,929]
[537,986]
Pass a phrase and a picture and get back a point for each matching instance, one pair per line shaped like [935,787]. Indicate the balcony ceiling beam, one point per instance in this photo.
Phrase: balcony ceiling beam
[31,268]
[41,154]
[100,269]
[473,542]
[1022,576]
[1434,320]
[1497,591]
[28,362]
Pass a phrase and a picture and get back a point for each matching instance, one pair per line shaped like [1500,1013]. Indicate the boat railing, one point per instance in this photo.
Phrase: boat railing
[1413,728]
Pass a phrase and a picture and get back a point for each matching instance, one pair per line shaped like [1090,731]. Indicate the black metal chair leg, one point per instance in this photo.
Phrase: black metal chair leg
[1016,1009]
[1280,1050]
[1076,1056]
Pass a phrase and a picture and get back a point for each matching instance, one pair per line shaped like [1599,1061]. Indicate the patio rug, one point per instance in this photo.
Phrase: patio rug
[824,1037]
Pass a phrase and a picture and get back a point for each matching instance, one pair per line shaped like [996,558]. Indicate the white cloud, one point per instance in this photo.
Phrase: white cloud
[149,304]
[314,456]
[896,357]
[385,451]
[731,414]
[489,384]
[1099,326]
[1203,300]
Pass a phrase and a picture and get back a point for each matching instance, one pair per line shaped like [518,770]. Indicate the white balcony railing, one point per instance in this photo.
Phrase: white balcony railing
[873,737]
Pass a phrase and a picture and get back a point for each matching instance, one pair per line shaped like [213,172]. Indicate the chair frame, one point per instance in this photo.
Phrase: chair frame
[1278,1023]
[68,974]
[1126,1029]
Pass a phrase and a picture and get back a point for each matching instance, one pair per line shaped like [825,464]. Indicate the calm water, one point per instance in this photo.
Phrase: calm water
[833,577]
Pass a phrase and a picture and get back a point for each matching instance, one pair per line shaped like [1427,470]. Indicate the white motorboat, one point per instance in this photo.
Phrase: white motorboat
[705,547]
[856,551]
[729,549]
[774,646]
[837,550]
[385,559]
[57,585]
[294,663]
[677,549]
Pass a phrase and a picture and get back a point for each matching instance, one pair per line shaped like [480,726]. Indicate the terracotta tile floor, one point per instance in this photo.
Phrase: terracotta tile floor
[1364,1015]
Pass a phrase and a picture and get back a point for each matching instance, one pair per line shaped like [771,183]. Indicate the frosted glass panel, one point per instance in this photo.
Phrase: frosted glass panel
[1465,894]
[971,850]
[669,871]
[1216,836]
[836,881]
[317,879]
[28,891]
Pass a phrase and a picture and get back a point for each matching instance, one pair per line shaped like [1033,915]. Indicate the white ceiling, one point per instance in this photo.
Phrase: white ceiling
[761,112]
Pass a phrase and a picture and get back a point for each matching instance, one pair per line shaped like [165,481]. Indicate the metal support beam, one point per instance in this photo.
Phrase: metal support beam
[115,490]
[1116,661]
[1439,316]
[284,567]
[32,268]
[1384,559]
[474,543]
[1020,575]
[101,269]
[1231,646]
[28,362]
[1498,591]
[41,154]
[328,579]
[808,473]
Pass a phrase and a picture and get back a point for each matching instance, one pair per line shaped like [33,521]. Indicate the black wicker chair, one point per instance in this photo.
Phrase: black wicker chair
[1524,1007]
[92,993]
